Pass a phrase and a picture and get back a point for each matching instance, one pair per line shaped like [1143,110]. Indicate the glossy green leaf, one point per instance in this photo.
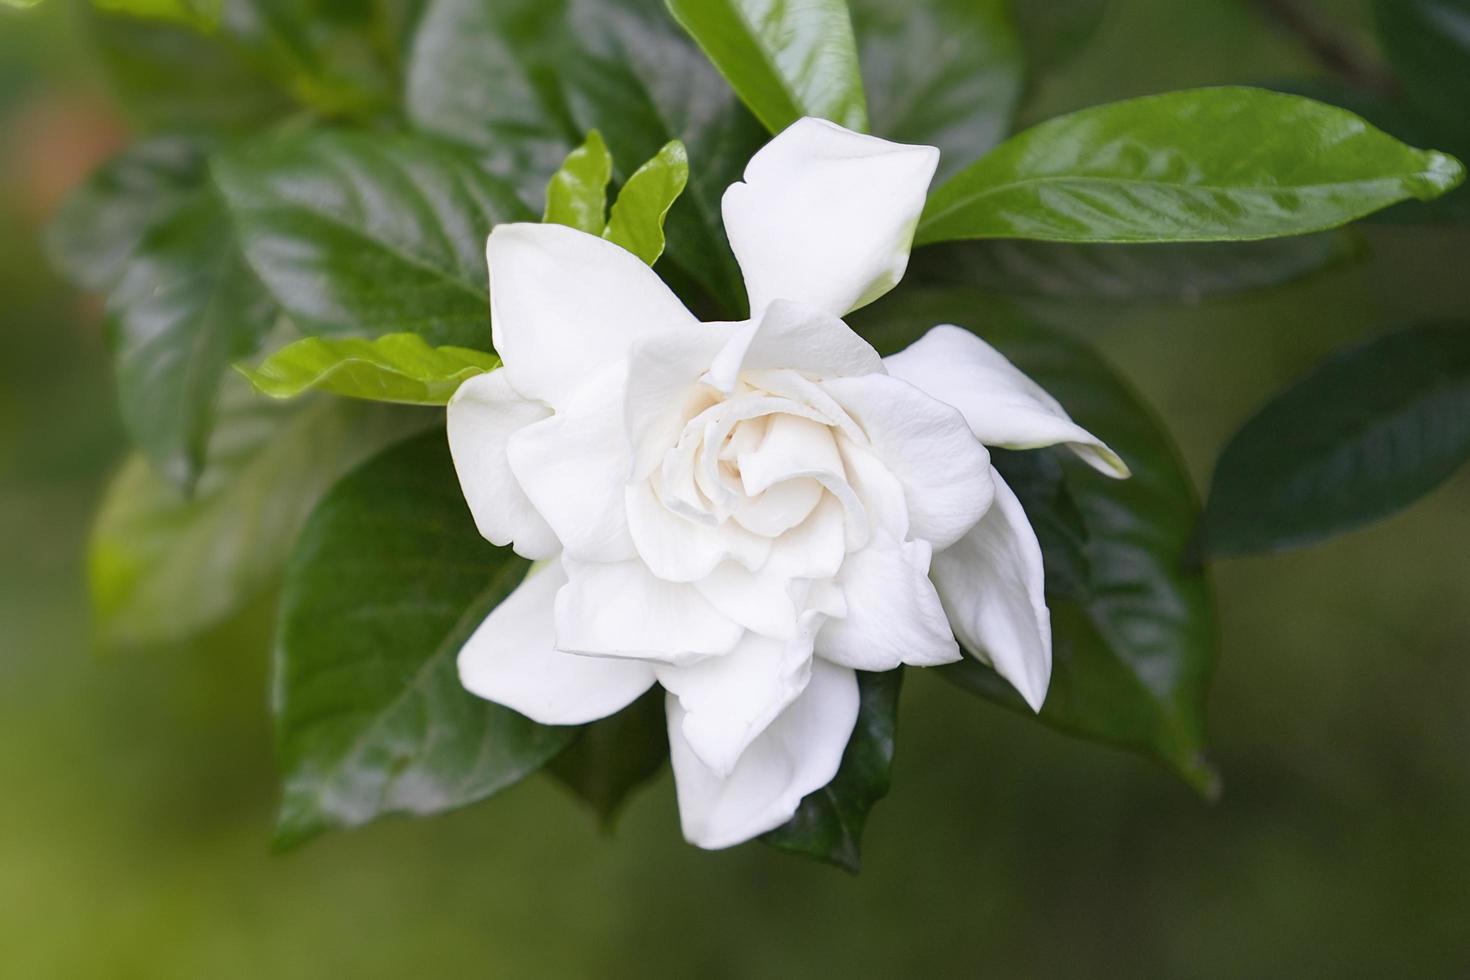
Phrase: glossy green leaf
[828,825]
[1428,42]
[388,580]
[185,307]
[367,233]
[1039,482]
[614,756]
[944,72]
[1132,661]
[637,218]
[1369,431]
[1163,169]
[577,193]
[164,566]
[397,367]
[784,58]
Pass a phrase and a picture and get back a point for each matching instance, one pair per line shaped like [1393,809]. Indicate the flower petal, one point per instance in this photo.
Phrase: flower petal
[564,304]
[893,613]
[510,660]
[1002,406]
[679,549]
[826,216]
[664,389]
[943,468]
[482,416]
[798,753]
[992,586]
[797,337]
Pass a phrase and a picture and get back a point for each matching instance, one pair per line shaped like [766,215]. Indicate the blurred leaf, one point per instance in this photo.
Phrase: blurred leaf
[397,367]
[784,59]
[185,308]
[103,221]
[1186,272]
[828,825]
[945,72]
[195,13]
[637,218]
[366,233]
[1037,479]
[577,194]
[387,581]
[614,756]
[1198,165]
[164,566]
[1054,31]
[1369,431]
[1132,662]
[1428,42]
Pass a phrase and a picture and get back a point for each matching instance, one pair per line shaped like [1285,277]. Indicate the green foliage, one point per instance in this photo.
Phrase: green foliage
[577,194]
[1369,431]
[387,581]
[785,60]
[196,13]
[1201,165]
[614,756]
[637,218]
[397,367]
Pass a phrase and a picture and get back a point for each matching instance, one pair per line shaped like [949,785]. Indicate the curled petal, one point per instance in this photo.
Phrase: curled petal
[664,388]
[679,549]
[893,613]
[797,337]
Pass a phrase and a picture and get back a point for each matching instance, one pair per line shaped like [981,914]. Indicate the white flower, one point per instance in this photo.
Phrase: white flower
[745,513]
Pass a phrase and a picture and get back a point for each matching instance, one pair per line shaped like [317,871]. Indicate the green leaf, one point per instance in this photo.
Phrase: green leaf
[397,367]
[1038,480]
[577,194]
[368,233]
[945,72]
[1428,42]
[202,14]
[387,581]
[614,756]
[164,566]
[185,308]
[1054,31]
[637,219]
[784,59]
[1199,165]
[1132,661]
[828,825]
[1369,431]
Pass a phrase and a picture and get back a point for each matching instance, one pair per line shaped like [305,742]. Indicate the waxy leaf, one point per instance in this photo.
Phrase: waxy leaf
[828,825]
[577,193]
[367,233]
[1132,660]
[388,580]
[614,756]
[397,367]
[1201,165]
[1039,482]
[784,58]
[1369,431]
[637,218]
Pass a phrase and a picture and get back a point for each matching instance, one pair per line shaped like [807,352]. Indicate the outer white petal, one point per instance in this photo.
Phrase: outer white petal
[664,389]
[793,336]
[797,754]
[893,613]
[564,304]
[826,216]
[621,610]
[991,584]
[943,468]
[482,416]
[573,468]
[1002,406]
[510,660]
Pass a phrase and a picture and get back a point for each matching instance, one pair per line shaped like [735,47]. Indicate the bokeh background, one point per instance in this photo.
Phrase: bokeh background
[136,790]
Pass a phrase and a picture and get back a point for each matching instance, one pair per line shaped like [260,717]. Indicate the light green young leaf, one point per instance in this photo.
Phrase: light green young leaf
[1221,164]
[397,367]
[577,194]
[784,58]
[637,219]
[203,14]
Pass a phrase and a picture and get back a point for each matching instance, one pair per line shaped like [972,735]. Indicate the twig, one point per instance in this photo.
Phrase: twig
[1336,52]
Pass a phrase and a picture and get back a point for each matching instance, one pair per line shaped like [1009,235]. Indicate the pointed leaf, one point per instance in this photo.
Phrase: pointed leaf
[613,757]
[397,367]
[577,194]
[637,219]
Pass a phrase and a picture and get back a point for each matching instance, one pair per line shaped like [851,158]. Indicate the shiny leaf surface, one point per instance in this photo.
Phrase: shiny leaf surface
[397,367]
[577,193]
[637,218]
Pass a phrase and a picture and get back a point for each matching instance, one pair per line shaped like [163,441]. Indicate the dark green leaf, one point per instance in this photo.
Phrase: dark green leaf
[397,367]
[1039,483]
[945,72]
[613,757]
[366,233]
[785,60]
[1369,431]
[1428,42]
[828,825]
[1199,165]
[388,580]
[576,196]
[637,218]
[1131,664]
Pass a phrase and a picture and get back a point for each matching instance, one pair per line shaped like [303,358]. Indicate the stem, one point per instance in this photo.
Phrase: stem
[1336,52]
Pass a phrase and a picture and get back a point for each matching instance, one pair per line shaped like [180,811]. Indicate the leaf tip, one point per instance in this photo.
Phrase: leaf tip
[1442,174]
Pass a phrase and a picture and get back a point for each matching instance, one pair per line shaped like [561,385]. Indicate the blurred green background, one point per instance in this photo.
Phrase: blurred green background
[136,790]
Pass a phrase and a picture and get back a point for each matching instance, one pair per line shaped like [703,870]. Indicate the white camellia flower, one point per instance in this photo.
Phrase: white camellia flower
[746,513]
